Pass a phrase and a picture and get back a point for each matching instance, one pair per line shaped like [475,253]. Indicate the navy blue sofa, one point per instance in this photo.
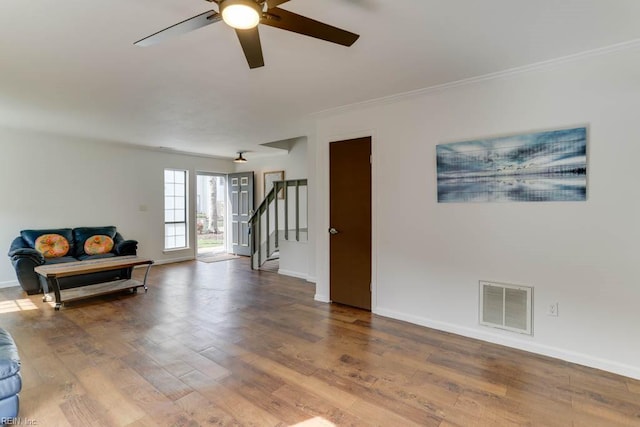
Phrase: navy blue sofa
[25,257]
[10,380]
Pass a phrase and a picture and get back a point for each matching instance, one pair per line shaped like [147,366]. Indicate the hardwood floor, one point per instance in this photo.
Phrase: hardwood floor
[219,344]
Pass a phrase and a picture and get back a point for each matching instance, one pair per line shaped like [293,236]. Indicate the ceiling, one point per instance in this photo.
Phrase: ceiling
[70,67]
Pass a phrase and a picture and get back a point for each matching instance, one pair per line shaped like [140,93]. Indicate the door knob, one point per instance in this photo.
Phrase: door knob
[333,231]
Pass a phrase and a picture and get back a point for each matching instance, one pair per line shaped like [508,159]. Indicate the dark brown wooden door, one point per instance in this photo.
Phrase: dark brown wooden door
[350,222]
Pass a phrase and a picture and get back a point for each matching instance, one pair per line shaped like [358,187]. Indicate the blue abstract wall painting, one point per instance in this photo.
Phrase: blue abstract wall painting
[535,167]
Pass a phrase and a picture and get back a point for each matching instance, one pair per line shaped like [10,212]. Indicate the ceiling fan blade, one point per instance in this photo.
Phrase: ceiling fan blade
[273,3]
[285,20]
[250,41]
[199,21]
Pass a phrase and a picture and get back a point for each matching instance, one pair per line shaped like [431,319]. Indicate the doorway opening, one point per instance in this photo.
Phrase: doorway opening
[211,216]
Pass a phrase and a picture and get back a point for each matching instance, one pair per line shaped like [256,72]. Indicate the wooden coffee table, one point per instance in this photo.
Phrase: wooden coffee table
[53,272]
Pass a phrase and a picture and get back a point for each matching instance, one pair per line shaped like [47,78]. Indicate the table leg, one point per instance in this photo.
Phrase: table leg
[45,291]
[144,282]
[53,281]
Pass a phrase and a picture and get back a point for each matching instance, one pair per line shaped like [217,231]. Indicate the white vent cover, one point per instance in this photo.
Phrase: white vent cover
[506,307]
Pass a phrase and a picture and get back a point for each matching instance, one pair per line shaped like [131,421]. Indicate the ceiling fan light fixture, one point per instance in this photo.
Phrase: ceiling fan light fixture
[240,159]
[241,14]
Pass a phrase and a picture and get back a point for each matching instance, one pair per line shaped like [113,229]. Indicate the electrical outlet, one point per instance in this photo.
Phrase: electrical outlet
[552,309]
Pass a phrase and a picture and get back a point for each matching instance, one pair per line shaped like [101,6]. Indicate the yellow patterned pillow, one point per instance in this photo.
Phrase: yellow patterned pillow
[52,245]
[99,244]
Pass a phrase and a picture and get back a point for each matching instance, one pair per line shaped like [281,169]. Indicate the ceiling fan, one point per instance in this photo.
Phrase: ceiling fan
[244,16]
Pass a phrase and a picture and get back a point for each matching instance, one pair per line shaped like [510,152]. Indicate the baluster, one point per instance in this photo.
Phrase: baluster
[267,228]
[275,204]
[259,238]
[297,211]
[286,212]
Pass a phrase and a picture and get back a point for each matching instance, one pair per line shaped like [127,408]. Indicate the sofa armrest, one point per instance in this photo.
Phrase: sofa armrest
[126,247]
[24,261]
[36,256]
[18,243]
[9,358]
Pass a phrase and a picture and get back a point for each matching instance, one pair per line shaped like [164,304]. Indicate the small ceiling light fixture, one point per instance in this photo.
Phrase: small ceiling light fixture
[241,14]
[240,159]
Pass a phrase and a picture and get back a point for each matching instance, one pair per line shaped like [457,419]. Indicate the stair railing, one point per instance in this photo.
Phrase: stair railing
[265,231]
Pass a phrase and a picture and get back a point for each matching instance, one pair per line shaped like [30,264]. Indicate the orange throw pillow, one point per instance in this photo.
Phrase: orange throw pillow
[52,245]
[99,244]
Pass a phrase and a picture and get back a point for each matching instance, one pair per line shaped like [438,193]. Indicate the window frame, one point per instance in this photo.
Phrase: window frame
[183,208]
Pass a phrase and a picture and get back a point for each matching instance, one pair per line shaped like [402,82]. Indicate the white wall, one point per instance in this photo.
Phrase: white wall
[52,181]
[429,257]
[311,203]
[293,163]
[294,260]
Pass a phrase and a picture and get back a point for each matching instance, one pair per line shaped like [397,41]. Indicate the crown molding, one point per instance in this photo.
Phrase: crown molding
[537,66]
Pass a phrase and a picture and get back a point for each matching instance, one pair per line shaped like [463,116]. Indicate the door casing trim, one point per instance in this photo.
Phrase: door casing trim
[323,214]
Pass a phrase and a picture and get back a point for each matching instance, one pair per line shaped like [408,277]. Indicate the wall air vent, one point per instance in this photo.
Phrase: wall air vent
[506,307]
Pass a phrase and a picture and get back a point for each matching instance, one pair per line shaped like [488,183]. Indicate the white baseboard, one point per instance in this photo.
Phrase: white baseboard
[292,274]
[311,279]
[9,284]
[545,350]
[172,260]
[322,298]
